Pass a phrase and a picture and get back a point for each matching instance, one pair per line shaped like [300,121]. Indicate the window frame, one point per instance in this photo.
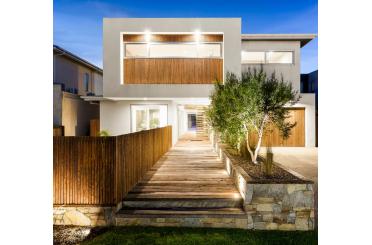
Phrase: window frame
[175,57]
[131,113]
[269,51]
[86,82]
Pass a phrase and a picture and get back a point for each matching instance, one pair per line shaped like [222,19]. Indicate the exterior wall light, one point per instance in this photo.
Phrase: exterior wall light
[147,36]
[197,36]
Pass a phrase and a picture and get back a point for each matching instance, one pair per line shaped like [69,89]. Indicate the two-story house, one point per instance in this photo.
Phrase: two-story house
[74,77]
[160,71]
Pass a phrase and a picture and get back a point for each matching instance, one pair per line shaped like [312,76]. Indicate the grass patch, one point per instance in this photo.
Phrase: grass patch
[170,235]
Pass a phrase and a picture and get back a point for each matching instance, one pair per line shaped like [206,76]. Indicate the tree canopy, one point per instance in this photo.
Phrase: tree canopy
[249,104]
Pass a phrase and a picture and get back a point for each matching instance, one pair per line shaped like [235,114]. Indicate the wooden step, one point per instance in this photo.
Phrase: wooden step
[171,203]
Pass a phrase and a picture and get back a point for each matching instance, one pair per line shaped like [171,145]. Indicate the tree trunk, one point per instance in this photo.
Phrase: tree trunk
[260,134]
[243,149]
[248,146]
[258,146]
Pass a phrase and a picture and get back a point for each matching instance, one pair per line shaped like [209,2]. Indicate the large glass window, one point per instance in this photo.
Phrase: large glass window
[136,50]
[267,57]
[173,50]
[169,50]
[209,50]
[148,116]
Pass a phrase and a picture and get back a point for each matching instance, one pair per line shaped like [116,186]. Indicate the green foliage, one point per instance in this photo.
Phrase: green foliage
[154,123]
[249,104]
[176,235]
[103,133]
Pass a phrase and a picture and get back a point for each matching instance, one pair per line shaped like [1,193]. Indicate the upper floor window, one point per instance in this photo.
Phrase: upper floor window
[173,50]
[86,82]
[276,57]
[253,57]
[267,57]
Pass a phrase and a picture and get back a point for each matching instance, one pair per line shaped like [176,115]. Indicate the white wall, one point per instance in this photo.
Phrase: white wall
[290,72]
[116,119]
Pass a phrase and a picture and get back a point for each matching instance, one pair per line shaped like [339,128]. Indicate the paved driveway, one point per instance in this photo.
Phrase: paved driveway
[300,159]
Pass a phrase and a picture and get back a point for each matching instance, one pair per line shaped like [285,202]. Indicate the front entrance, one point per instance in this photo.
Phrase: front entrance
[191,122]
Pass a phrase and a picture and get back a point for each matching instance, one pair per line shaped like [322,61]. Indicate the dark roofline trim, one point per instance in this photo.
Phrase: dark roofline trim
[302,38]
[76,58]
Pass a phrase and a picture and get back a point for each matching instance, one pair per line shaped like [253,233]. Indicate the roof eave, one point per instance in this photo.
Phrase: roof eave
[302,38]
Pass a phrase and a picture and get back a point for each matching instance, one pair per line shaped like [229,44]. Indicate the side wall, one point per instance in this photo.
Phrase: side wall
[290,72]
[76,115]
[116,119]
[308,101]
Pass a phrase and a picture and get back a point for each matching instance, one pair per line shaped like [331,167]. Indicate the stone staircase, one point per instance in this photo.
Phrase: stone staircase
[188,187]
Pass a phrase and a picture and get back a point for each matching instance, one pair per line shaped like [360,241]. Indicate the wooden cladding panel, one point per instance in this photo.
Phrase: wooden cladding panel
[297,138]
[173,38]
[102,170]
[172,71]
[94,127]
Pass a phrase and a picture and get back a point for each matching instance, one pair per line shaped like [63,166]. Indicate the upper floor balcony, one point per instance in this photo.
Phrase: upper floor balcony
[154,58]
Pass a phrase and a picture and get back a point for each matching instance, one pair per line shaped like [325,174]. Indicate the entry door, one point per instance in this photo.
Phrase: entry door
[191,121]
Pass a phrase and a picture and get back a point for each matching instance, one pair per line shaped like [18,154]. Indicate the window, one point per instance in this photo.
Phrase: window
[148,116]
[86,82]
[175,50]
[136,50]
[267,57]
[279,57]
[253,57]
[209,50]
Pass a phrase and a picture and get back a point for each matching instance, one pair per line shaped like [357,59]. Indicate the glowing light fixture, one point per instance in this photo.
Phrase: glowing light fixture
[147,36]
[197,36]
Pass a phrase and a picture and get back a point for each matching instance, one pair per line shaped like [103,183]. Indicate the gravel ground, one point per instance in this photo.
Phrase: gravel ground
[71,235]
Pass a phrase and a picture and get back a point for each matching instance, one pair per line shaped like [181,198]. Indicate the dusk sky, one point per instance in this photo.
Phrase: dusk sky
[78,24]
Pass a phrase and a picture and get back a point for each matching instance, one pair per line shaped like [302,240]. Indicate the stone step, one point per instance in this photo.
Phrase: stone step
[222,218]
[171,203]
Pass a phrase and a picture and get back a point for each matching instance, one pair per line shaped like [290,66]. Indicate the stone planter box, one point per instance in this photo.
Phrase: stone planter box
[272,206]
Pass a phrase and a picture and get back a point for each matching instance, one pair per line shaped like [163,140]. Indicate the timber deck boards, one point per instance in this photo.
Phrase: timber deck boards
[188,181]
[191,169]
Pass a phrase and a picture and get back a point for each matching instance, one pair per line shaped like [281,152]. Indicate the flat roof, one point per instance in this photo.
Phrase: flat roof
[303,38]
[76,58]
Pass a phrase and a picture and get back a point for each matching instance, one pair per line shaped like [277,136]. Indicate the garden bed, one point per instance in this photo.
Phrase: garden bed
[279,175]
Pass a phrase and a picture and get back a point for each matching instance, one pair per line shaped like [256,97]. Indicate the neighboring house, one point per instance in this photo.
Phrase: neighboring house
[74,77]
[309,84]
[160,71]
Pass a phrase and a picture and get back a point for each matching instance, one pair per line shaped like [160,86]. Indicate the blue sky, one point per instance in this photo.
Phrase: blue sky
[78,24]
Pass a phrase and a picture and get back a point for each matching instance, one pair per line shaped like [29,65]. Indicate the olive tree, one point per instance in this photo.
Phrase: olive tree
[252,104]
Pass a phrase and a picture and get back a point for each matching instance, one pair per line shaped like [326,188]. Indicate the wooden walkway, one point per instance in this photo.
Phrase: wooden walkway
[188,181]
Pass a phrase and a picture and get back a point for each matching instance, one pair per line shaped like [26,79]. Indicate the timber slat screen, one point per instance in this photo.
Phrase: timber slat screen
[172,71]
[102,170]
